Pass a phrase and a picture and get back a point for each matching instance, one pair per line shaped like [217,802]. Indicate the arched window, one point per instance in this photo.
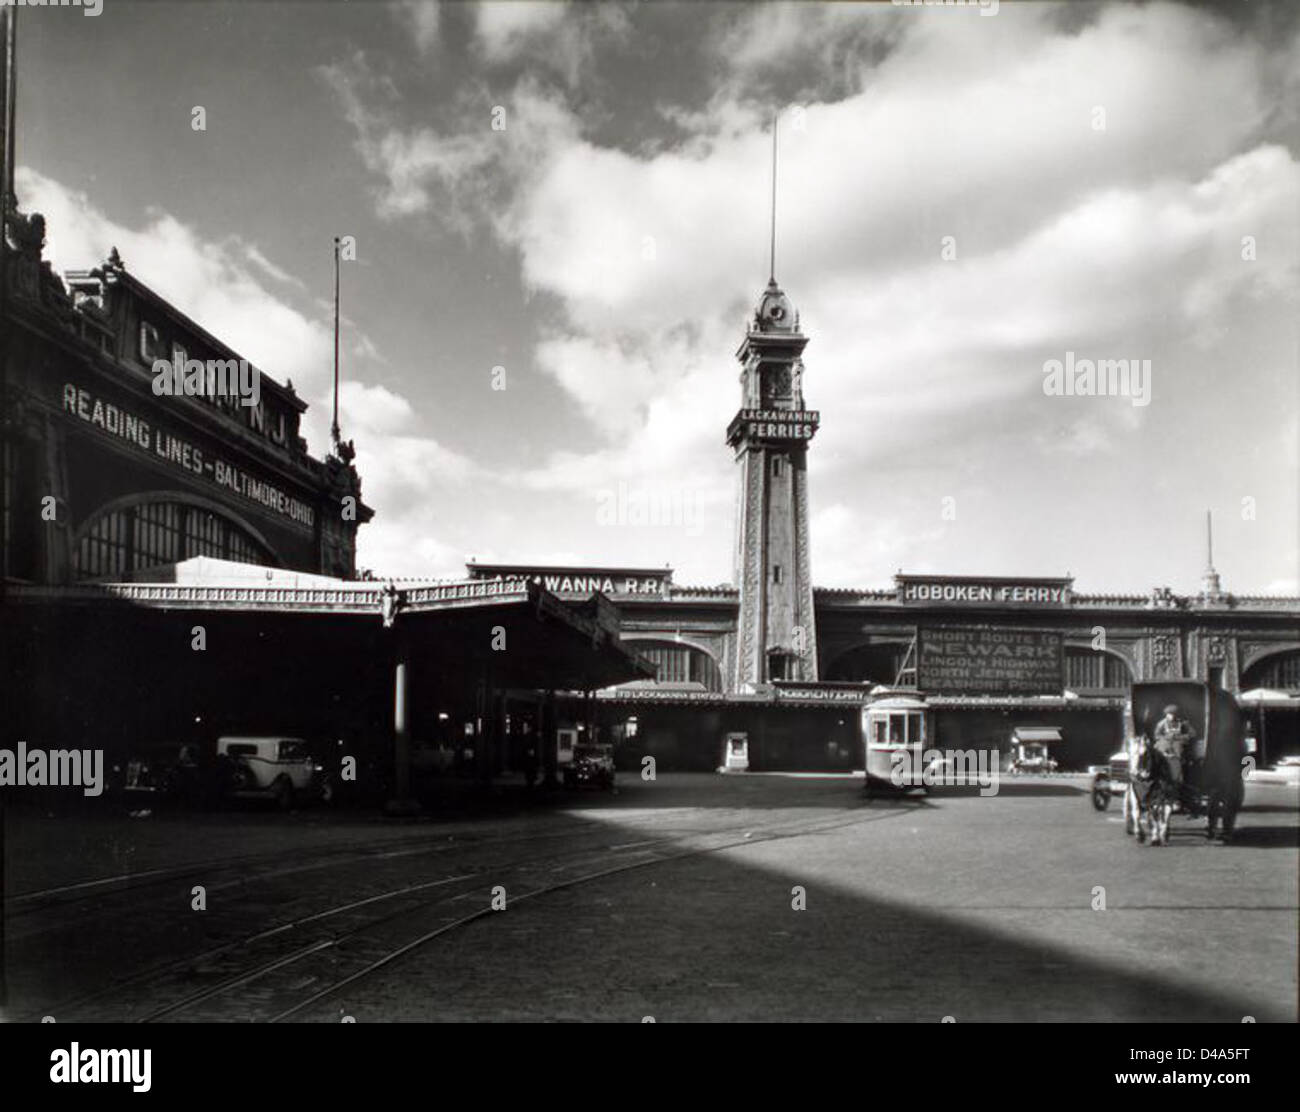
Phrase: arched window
[1279,671]
[148,534]
[680,663]
[1094,670]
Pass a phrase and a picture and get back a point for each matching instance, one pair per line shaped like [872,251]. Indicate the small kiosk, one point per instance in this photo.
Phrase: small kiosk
[735,753]
[1029,749]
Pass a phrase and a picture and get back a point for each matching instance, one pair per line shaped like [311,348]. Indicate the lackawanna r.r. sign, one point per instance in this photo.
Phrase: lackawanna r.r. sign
[956,590]
[582,582]
[982,660]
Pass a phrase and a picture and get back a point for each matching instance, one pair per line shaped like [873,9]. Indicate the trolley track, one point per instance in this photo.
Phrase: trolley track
[68,895]
[363,949]
[373,855]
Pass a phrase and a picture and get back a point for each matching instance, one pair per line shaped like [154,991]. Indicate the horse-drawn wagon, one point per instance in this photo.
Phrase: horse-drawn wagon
[1184,753]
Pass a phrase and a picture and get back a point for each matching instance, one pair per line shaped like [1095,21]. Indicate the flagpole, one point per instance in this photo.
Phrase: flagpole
[334,426]
[772,256]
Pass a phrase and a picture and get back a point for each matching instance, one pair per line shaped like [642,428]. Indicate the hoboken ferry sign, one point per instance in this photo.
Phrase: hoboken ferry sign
[952,590]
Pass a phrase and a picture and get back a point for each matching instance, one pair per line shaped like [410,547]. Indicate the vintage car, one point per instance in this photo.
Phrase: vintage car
[591,764]
[281,769]
[170,773]
[1110,779]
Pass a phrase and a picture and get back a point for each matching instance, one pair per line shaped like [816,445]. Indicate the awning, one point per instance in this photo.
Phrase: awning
[1036,733]
[458,631]
[1267,696]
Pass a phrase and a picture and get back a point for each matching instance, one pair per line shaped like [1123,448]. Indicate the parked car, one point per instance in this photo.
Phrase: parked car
[591,764]
[1109,780]
[170,773]
[1288,767]
[282,769]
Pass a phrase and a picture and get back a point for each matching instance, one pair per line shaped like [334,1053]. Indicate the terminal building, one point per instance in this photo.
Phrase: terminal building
[134,519]
[178,565]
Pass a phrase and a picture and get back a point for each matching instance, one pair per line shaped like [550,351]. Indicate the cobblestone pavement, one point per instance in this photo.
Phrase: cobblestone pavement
[674,899]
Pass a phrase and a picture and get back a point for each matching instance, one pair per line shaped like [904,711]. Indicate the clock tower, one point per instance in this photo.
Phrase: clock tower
[776,636]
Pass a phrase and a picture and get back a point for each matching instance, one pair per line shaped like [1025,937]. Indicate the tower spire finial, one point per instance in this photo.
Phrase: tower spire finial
[772,257]
[1211,588]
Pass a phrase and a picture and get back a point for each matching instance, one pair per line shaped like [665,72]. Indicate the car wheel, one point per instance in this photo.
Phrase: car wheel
[1100,798]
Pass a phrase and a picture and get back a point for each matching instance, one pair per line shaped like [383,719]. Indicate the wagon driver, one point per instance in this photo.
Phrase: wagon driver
[1172,735]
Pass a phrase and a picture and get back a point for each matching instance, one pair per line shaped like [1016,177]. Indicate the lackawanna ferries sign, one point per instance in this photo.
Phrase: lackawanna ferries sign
[582,582]
[953,590]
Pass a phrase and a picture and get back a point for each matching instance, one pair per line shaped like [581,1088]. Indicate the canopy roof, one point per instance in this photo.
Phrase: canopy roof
[1037,733]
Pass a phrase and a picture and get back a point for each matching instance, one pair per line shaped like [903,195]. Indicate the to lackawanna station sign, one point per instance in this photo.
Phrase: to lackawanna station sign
[964,591]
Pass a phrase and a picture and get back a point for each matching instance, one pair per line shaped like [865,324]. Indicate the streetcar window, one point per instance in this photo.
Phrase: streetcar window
[896,728]
[915,729]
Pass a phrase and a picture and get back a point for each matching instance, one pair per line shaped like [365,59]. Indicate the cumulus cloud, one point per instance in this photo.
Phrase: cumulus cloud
[505,28]
[558,38]
[1114,234]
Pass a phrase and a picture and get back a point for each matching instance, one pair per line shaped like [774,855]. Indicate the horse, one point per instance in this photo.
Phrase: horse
[1154,789]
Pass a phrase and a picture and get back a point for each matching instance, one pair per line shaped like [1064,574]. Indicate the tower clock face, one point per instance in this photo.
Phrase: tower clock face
[776,313]
[776,383]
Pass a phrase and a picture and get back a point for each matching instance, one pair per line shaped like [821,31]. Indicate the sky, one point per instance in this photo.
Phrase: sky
[562,213]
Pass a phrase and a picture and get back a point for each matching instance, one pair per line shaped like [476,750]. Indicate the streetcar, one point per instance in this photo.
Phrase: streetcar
[896,732]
